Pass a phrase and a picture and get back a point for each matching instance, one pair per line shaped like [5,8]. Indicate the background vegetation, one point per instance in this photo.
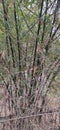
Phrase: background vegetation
[29,54]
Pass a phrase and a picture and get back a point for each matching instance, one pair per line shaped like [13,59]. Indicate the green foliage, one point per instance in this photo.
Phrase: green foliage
[27,16]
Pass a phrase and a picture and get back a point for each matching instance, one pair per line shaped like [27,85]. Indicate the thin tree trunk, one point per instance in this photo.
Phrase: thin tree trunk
[8,38]
[18,40]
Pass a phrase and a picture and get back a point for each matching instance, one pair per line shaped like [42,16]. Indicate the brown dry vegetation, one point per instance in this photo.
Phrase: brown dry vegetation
[48,121]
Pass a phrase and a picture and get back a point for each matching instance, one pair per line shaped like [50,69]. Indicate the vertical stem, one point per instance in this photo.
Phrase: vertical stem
[36,43]
[12,51]
[17,33]
[37,38]
[50,35]
[8,38]
[44,24]
[19,49]
[5,20]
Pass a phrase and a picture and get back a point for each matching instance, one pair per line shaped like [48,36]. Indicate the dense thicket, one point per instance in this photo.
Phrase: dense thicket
[29,52]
